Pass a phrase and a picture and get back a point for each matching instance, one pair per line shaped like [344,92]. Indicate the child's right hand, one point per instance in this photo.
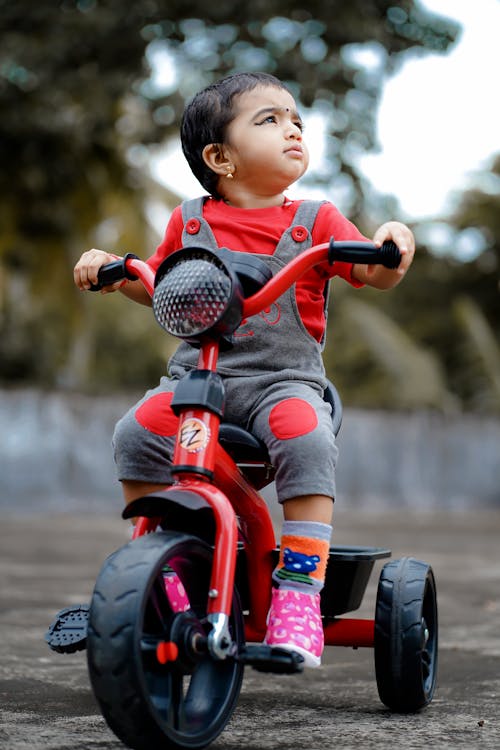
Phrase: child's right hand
[85,271]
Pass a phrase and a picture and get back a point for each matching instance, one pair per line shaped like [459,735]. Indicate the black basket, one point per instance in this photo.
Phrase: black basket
[347,575]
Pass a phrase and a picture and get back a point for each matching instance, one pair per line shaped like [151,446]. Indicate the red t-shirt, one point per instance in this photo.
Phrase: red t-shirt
[258,230]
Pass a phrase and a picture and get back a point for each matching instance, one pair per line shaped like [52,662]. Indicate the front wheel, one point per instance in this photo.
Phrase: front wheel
[406,635]
[151,696]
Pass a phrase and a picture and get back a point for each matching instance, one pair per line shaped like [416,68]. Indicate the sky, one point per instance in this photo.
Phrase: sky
[438,122]
[447,107]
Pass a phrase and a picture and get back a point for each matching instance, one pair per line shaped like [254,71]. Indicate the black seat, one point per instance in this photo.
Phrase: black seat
[241,444]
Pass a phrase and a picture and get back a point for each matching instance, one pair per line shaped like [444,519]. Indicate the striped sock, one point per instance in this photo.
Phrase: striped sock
[304,551]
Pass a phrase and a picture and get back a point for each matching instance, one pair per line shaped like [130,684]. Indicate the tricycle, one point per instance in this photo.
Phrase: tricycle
[178,612]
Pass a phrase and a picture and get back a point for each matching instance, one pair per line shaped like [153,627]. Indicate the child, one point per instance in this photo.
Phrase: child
[243,140]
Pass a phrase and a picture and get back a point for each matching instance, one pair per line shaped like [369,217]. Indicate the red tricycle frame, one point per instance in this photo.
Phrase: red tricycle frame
[246,502]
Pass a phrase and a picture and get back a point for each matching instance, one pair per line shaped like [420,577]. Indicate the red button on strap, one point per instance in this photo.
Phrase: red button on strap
[193,226]
[299,233]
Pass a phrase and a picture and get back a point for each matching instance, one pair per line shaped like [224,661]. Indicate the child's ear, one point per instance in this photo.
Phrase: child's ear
[215,157]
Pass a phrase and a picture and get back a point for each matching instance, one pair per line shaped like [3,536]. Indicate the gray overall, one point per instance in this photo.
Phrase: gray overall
[274,380]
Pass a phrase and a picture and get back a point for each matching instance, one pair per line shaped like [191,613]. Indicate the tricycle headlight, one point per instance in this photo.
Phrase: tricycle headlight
[197,295]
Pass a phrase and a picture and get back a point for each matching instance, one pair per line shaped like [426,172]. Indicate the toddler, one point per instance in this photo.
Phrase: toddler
[243,139]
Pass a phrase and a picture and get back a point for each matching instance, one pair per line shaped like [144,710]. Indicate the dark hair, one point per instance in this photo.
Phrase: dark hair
[207,116]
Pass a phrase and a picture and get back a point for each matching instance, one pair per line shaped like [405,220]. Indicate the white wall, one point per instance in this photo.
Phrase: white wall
[55,454]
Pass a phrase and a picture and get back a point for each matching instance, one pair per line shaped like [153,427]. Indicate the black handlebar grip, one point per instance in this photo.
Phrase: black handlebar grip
[113,272]
[387,255]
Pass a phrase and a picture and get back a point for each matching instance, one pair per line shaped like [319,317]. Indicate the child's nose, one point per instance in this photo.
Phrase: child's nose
[294,132]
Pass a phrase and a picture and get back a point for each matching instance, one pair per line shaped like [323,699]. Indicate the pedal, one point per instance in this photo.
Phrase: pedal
[271,659]
[68,632]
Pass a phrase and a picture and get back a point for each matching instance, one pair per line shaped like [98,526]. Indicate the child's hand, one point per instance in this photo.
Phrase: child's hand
[402,237]
[379,276]
[86,270]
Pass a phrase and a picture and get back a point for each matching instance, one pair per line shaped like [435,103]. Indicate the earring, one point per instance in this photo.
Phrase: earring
[229,176]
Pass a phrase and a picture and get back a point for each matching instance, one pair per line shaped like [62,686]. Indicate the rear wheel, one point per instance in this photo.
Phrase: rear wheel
[156,683]
[406,635]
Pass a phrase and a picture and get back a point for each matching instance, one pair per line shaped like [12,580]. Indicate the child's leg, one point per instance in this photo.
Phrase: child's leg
[133,490]
[308,508]
[143,442]
[294,621]
[296,425]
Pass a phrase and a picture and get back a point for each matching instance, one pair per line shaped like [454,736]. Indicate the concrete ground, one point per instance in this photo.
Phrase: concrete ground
[46,702]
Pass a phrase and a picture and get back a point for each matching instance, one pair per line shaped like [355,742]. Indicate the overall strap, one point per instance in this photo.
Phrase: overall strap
[307,212]
[298,236]
[196,230]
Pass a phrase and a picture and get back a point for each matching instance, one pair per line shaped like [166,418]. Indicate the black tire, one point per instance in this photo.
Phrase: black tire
[406,635]
[183,704]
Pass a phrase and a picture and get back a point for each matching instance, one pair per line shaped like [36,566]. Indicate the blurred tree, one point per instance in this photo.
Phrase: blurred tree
[476,306]
[80,107]
[447,314]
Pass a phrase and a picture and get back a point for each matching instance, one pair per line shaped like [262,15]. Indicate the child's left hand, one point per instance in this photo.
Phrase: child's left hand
[403,237]
[379,276]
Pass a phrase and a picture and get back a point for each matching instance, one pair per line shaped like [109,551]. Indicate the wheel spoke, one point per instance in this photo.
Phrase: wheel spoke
[175,706]
[159,599]
[168,696]
[149,643]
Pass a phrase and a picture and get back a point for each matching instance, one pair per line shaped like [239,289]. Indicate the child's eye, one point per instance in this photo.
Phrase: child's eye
[269,118]
[274,119]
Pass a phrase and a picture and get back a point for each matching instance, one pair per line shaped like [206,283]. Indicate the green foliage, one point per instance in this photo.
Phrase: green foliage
[447,310]
[79,111]
[481,354]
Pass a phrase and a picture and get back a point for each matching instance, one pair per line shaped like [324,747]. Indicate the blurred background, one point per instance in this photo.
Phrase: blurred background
[400,106]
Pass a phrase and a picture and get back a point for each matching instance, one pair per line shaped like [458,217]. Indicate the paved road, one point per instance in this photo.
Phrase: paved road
[46,702]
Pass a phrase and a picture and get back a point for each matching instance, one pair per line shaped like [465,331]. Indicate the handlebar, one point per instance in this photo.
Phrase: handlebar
[117,270]
[388,255]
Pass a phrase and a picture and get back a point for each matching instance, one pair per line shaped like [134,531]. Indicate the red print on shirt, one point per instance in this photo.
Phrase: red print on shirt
[271,316]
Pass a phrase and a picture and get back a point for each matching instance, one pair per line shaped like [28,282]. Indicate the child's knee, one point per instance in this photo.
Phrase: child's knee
[139,454]
[127,437]
[306,463]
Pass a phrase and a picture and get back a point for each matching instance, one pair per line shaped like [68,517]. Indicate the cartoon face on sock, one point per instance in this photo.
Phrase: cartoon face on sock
[297,562]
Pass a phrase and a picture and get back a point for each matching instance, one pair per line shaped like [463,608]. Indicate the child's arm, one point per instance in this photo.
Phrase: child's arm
[87,268]
[379,276]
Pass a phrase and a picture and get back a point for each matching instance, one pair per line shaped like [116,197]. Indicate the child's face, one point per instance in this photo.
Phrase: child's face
[264,141]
